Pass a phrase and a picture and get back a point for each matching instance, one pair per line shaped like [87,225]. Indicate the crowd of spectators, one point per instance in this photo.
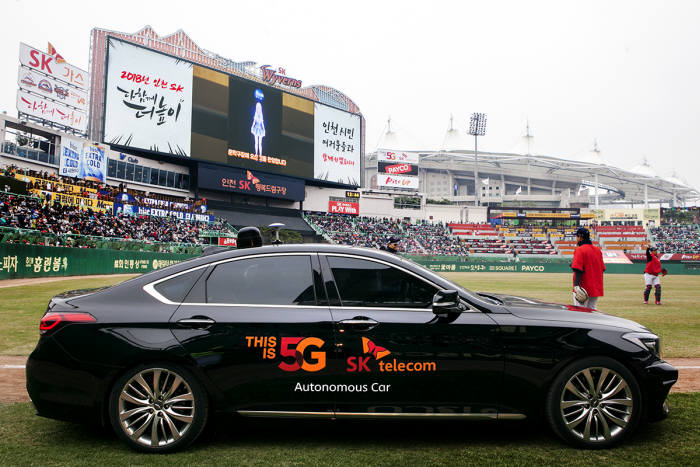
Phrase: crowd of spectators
[678,238]
[51,182]
[61,221]
[414,238]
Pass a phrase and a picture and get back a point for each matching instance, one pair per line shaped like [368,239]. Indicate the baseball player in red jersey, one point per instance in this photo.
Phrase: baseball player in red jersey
[588,269]
[651,275]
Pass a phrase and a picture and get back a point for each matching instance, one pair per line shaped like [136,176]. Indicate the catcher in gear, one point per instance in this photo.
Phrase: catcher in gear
[651,275]
[588,270]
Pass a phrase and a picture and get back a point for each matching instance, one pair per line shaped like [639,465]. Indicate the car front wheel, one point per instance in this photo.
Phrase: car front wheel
[158,408]
[594,403]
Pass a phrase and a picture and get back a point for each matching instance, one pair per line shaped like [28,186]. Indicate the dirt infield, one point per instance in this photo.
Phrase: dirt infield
[41,280]
[12,383]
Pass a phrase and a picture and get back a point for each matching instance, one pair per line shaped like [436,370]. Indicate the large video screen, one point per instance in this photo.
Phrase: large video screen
[158,103]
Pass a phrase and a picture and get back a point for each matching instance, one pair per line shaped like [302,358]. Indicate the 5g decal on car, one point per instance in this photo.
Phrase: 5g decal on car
[292,350]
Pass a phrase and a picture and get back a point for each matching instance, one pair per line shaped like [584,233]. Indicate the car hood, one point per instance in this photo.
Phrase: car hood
[531,308]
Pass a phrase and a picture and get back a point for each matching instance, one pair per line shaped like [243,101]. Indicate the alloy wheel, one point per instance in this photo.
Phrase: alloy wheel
[156,407]
[597,405]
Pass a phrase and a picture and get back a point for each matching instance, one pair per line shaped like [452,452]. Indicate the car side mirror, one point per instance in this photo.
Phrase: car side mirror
[446,302]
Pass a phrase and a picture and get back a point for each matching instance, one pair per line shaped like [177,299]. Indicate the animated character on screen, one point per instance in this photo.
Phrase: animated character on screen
[258,126]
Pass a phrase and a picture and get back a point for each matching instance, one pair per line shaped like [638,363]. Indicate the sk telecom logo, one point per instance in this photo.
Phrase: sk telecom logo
[361,364]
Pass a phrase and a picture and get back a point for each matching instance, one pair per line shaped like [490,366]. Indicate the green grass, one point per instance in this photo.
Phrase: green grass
[22,307]
[677,321]
[28,439]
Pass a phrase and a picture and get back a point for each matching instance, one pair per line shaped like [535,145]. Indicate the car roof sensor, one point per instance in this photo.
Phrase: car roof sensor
[249,237]
[277,226]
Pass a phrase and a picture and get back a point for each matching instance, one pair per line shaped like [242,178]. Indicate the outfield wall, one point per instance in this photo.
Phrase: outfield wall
[26,261]
[532,267]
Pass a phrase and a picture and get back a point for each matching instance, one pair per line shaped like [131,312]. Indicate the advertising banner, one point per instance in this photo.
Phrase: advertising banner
[628,214]
[49,87]
[397,181]
[615,257]
[398,157]
[397,169]
[45,63]
[343,207]
[77,201]
[121,208]
[71,157]
[93,164]
[227,241]
[20,261]
[148,100]
[667,256]
[53,184]
[55,112]
[336,145]
[249,182]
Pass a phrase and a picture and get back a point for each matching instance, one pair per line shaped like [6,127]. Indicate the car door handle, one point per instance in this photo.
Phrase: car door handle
[360,324]
[196,322]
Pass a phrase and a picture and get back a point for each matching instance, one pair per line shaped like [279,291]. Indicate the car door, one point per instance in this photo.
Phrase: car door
[258,326]
[396,356]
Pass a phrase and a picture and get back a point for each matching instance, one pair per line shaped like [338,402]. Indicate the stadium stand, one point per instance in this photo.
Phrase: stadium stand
[629,238]
[677,238]
[43,218]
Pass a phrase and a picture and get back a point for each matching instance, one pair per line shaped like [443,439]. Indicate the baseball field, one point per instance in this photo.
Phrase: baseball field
[26,439]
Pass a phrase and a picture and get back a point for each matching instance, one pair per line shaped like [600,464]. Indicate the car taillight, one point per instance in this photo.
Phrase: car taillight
[52,320]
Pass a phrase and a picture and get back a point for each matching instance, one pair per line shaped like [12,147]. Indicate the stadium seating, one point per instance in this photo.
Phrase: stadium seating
[631,238]
[677,238]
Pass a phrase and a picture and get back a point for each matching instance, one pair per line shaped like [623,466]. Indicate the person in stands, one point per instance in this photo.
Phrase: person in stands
[588,270]
[651,275]
[392,245]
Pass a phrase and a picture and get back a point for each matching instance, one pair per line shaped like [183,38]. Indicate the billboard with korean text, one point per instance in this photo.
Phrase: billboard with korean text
[51,90]
[249,182]
[51,111]
[148,100]
[161,104]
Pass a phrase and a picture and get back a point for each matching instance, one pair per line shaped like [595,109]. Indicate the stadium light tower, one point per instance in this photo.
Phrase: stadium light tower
[477,127]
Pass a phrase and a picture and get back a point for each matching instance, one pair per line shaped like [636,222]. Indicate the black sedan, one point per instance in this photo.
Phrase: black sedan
[335,332]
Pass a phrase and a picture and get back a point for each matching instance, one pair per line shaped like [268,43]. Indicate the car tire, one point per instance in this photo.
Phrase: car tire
[594,403]
[158,408]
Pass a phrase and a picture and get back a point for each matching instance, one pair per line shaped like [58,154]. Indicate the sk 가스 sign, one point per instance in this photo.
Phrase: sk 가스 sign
[45,63]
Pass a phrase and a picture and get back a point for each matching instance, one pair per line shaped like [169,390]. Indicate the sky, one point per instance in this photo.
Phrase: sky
[624,73]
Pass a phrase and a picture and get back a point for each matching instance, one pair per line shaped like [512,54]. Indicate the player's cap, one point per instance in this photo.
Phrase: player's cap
[653,247]
[393,240]
[584,232]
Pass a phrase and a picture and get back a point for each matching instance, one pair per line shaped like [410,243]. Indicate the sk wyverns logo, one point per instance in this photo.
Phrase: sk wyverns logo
[251,177]
[361,364]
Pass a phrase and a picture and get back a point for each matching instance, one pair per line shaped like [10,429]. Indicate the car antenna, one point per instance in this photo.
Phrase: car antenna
[277,226]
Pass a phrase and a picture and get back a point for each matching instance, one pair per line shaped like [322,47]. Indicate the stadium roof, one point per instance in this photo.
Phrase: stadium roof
[616,185]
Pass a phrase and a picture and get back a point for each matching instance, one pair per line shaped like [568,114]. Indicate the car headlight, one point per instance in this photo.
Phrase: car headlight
[646,341]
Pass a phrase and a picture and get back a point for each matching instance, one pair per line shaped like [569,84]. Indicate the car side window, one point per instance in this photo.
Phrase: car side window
[371,284]
[272,280]
[176,288]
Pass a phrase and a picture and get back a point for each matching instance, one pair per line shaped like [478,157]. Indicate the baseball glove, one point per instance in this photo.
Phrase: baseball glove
[664,271]
[580,294]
